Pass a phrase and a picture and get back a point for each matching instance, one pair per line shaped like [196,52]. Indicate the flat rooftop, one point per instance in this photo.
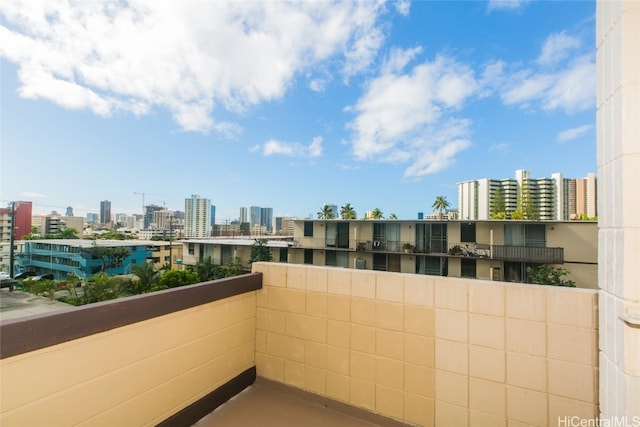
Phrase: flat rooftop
[270,404]
[18,304]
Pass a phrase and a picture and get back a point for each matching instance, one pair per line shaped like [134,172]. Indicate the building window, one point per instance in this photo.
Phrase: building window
[431,265]
[468,268]
[192,248]
[337,235]
[284,255]
[431,238]
[468,232]
[308,229]
[532,235]
[337,259]
[386,237]
[308,256]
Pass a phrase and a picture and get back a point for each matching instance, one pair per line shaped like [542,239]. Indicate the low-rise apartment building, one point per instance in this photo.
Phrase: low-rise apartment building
[495,250]
[76,256]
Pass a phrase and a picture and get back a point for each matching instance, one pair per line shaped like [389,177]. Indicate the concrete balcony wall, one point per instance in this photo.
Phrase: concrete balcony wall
[427,350]
[139,374]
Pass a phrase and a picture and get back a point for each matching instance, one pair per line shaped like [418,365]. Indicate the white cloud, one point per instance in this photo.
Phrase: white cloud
[407,117]
[292,149]
[315,149]
[189,58]
[403,6]
[557,47]
[562,78]
[573,133]
[506,4]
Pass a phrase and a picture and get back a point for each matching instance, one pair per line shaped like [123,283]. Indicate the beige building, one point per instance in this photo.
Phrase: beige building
[495,250]
[162,252]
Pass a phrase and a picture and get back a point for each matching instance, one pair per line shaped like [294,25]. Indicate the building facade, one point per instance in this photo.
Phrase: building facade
[494,250]
[197,217]
[555,198]
[105,212]
[61,257]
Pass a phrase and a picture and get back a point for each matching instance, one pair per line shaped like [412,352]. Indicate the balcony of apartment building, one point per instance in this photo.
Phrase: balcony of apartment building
[352,347]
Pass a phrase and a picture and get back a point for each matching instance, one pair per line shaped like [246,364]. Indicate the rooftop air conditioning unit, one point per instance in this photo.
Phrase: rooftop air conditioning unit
[359,264]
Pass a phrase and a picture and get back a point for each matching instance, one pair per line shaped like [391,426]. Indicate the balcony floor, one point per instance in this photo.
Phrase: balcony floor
[269,404]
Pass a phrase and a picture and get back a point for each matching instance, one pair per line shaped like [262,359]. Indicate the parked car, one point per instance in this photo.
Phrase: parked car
[24,275]
[47,276]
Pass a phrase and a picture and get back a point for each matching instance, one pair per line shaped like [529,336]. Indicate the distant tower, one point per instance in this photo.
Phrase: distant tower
[213,215]
[105,212]
[69,211]
[197,217]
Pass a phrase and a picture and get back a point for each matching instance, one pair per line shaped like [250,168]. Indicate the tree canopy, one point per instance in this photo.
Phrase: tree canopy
[441,204]
[325,213]
[347,212]
[376,214]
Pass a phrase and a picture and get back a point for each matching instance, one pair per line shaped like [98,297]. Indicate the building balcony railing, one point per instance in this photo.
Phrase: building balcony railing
[500,252]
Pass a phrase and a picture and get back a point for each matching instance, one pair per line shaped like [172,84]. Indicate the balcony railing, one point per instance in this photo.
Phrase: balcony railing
[501,252]
[528,253]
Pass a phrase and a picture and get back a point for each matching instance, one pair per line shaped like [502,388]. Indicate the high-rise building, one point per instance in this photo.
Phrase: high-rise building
[266,218]
[243,215]
[213,215]
[19,225]
[149,211]
[554,198]
[92,218]
[197,217]
[105,212]
[69,211]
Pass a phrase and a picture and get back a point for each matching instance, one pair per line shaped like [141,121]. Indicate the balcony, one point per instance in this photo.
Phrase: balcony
[413,349]
[498,252]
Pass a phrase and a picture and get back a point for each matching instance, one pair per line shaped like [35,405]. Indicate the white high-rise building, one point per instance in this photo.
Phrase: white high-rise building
[554,198]
[197,217]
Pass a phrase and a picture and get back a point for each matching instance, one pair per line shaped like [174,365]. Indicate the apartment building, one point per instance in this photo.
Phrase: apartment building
[554,198]
[105,212]
[225,250]
[197,217]
[494,250]
[63,256]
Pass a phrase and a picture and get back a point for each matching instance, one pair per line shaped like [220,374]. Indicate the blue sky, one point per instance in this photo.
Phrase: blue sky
[289,105]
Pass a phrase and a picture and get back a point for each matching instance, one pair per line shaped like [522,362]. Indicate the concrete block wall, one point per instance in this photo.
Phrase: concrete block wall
[618,103]
[427,350]
[138,374]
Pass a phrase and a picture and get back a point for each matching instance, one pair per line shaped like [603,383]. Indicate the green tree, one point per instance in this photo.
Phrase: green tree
[376,214]
[67,233]
[393,216]
[109,256]
[260,251]
[147,276]
[528,207]
[498,209]
[103,287]
[206,270]
[325,213]
[441,204]
[347,212]
[176,278]
[234,268]
[548,275]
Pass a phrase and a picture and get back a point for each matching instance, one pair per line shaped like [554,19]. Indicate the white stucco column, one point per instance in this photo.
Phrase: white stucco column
[618,134]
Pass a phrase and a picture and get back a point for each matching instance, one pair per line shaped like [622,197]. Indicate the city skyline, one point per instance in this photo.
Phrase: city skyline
[380,106]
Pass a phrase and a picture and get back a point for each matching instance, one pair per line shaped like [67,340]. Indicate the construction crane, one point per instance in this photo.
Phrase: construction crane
[143,194]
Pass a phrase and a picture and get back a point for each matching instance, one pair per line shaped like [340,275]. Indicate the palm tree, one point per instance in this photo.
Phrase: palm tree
[325,213]
[376,214]
[393,216]
[441,204]
[147,275]
[347,212]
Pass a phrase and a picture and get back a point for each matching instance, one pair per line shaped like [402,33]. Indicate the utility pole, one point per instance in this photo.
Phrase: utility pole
[11,238]
[171,242]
